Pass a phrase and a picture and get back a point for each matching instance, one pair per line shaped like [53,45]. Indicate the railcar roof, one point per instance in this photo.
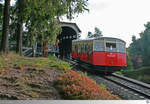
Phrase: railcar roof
[101,38]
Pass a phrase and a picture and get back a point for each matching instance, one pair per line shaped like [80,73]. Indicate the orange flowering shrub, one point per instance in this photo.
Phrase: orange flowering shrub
[75,86]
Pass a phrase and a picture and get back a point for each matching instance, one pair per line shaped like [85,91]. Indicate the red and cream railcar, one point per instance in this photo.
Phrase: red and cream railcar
[104,54]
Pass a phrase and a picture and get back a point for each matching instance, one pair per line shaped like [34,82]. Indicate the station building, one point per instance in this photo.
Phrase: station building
[70,31]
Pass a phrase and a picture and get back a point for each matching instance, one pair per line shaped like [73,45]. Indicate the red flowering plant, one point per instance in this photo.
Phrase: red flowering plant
[78,86]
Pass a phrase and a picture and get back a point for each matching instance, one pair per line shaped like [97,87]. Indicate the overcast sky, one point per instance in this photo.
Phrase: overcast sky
[115,18]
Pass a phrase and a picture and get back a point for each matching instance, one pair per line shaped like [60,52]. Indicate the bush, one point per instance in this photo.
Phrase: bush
[119,72]
[141,74]
[53,58]
[59,64]
[75,86]
[102,86]
[1,64]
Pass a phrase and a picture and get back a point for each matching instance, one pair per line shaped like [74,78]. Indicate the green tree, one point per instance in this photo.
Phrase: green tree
[129,62]
[145,41]
[42,18]
[1,13]
[96,34]
[20,16]
[4,41]
[139,48]
[135,51]
[1,18]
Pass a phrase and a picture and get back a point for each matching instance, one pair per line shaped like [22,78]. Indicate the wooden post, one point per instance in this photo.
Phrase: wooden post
[45,48]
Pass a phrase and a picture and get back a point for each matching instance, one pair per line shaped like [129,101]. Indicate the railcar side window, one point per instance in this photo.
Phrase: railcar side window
[72,47]
[82,48]
[86,48]
[121,47]
[79,48]
[90,48]
[99,46]
[111,47]
[76,48]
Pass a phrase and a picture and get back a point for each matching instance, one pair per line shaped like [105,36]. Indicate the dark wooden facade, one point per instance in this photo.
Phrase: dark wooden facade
[70,31]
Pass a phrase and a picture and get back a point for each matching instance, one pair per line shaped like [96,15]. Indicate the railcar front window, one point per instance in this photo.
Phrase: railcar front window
[121,47]
[99,46]
[111,47]
[76,48]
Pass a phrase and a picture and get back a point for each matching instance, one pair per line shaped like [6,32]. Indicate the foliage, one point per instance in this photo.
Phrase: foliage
[54,58]
[102,86]
[1,62]
[4,40]
[139,48]
[28,83]
[96,34]
[1,18]
[1,13]
[19,62]
[59,64]
[141,74]
[75,86]
[145,41]
[119,72]
[63,65]
[85,73]
[41,19]
[129,62]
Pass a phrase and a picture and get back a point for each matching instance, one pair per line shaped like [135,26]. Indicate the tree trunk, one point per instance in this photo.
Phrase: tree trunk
[19,39]
[19,28]
[4,41]
[45,48]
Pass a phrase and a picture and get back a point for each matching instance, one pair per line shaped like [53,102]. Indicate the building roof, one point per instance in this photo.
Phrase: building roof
[101,38]
[62,24]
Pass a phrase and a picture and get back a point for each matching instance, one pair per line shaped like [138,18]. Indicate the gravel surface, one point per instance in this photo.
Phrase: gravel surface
[114,88]
[122,92]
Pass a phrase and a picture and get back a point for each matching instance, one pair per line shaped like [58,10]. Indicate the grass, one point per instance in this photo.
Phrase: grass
[34,75]
[142,74]
[102,86]
[1,64]
[18,62]
[59,64]
[28,77]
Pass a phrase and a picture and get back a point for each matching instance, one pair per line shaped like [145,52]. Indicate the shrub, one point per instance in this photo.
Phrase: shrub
[53,58]
[59,64]
[64,65]
[102,86]
[141,74]
[75,86]
[1,64]
[119,72]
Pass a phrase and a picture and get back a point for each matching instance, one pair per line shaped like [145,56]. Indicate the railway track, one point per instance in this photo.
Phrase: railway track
[139,89]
